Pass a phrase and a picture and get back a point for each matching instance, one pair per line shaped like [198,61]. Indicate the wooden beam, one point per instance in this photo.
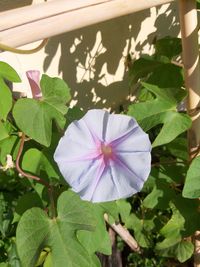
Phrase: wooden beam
[32,23]
[189,34]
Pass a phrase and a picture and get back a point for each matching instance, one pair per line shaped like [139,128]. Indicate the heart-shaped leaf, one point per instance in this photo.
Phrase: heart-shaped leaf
[37,231]
[35,117]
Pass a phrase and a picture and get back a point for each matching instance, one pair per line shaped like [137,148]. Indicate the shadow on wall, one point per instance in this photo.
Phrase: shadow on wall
[93,58]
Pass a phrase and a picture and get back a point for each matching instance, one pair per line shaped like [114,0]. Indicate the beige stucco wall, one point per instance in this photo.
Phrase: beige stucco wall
[91,60]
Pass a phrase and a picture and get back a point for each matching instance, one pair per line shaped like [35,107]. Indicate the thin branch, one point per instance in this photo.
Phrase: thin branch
[125,235]
[34,177]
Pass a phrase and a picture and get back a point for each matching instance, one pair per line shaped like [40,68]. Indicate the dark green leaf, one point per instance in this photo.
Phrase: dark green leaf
[178,148]
[26,202]
[167,76]
[142,67]
[168,47]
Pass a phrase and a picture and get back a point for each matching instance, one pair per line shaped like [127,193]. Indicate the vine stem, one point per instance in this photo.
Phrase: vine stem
[4,47]
[189,34]
[124,234]
[34,177]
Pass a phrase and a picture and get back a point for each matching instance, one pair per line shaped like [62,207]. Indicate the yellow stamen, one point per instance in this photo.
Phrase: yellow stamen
[106,150]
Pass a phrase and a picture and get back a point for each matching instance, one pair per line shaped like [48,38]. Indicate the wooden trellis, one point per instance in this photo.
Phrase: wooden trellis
[31,23]
[18,26]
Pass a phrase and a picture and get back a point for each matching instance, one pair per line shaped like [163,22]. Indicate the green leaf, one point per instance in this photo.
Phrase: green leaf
[182,251]
[184,222]
[3,132]
[137,224]
[36,231]
[168,46]
[189,210]
[172,233]
[160,196]
[5,100]
[167,76]
[178,148]
[35,161]
[166,99]
[48,262]
[52,106]
[26,202]
[172,230]
[8,145]
[111,208]
[162,110]
[13,258]
[6,213]
[192,186]
[174,124]
[8,73]
[142,67]
[73,114]
[124,208]
[171,174]
[99,239]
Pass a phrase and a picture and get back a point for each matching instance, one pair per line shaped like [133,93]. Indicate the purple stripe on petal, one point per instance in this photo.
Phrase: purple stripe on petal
[129,152]
[96,140]
[89,156]
[82,180]
[98,177]
[123,164]
[120,139]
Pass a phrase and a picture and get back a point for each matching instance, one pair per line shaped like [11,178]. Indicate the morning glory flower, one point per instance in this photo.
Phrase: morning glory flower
[34,81]
[104,156]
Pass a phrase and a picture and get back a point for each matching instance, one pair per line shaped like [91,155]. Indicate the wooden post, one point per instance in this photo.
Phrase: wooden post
[189,33]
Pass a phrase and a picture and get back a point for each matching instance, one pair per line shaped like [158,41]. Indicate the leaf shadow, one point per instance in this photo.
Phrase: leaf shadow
[93,58]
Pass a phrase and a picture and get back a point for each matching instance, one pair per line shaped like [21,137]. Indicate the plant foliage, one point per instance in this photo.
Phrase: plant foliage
[67,231]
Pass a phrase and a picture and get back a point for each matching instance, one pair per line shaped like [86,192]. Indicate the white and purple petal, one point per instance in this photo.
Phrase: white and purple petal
[104,156]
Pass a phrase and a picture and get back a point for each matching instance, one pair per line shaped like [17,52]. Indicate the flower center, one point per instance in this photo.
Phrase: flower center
[107,151]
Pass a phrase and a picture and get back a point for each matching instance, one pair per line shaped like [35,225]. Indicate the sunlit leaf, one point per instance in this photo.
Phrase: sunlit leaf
[35,117]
